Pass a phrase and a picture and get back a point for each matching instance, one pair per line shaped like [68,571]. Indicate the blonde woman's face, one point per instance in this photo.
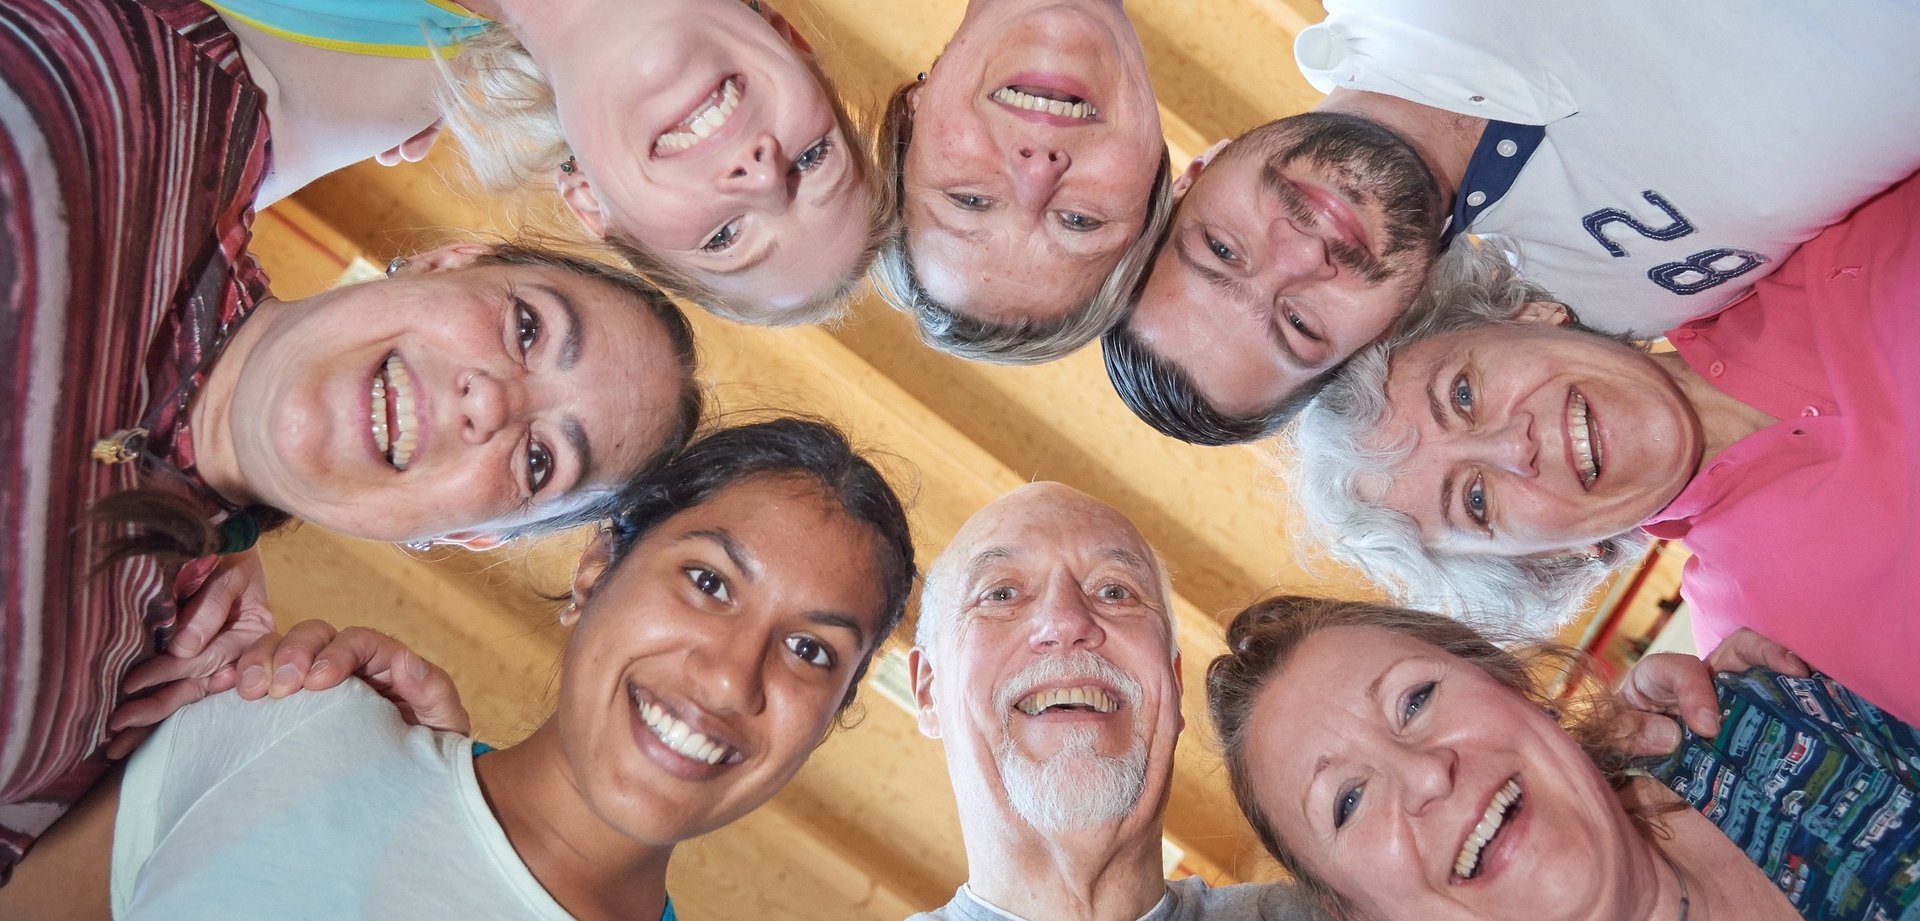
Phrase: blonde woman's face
[710,142]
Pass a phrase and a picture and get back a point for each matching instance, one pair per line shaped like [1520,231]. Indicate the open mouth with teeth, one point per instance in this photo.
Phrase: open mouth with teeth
[1083,699]
[706,118]
[679,737]
[392,414]
[1586,448]
[1050,102]
[1505,805]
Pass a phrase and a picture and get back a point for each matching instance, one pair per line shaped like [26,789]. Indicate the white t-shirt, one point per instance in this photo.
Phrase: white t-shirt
[324,805]
[1690,144]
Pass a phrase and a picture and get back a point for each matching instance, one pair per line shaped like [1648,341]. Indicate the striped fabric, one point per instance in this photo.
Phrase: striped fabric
[131,143]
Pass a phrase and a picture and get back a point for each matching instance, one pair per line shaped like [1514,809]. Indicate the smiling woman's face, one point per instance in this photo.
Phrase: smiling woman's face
[1036,140]
[711,660]
[1534,439]
[1418,787]
[453,396]
[708,141]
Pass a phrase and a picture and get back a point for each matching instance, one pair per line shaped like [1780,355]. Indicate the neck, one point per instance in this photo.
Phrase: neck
[1723,419]
[592,869]
[1700,863]
[210,412]
[1106,873]
[1444,140]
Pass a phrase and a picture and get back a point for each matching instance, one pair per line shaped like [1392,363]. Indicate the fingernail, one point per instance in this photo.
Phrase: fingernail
[320,669]
[416,666]
[285,679]
[253,680]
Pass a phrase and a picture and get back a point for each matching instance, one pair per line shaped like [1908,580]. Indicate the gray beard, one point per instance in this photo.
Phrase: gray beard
[1077,787]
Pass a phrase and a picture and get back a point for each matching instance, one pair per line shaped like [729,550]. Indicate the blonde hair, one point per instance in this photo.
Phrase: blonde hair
[495,99]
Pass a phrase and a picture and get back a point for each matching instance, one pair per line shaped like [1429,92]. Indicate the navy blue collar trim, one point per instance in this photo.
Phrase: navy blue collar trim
[1503,151]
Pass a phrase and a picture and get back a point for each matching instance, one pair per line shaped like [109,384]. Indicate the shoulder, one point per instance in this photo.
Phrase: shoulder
[1194,899]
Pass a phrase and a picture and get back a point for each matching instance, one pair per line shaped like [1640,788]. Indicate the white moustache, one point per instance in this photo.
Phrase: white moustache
[1076,664]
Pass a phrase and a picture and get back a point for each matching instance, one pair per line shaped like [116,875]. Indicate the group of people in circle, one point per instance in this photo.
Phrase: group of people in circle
[1435,294]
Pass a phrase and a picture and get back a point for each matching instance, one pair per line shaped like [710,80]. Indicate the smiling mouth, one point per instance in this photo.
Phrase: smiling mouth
[1087,699]
[1505,804]
[1586,448]
[392,412]
[710,116]
[680,738]
[1050,102]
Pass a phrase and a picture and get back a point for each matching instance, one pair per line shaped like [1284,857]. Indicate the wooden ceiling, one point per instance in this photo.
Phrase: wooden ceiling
[868,830]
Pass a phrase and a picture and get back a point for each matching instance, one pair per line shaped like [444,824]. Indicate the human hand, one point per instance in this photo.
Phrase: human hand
[223,616]
[411,150]
[1744,649]
[1661,688]
[313,657]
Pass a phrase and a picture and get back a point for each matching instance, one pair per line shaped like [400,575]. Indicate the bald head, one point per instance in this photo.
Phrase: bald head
[1031,523]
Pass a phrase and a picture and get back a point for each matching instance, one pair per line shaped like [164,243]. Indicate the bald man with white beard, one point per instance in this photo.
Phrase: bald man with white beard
[1046,664]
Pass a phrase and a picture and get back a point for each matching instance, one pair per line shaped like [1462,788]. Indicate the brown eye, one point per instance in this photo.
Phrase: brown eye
[526,326]
[708,582]
[810,650]
[539,466]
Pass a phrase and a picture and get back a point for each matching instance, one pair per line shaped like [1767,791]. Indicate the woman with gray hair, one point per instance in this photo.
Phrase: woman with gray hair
[1495,458]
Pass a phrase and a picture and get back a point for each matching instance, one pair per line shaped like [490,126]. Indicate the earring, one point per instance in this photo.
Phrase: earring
[922,78]
[422,545]
[753,5]
[569,614]
[395,264]
[568,166]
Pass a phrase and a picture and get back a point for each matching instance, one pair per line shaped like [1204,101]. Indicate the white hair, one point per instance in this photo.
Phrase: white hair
[1339,464]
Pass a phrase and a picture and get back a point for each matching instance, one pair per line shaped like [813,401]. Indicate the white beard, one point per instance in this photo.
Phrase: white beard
[1077,787]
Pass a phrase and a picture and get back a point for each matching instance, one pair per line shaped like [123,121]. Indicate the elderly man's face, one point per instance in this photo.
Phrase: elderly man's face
[1053,670]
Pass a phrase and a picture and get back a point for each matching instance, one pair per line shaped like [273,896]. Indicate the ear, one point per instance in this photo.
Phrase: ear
[1548,312]
[1180,688]
[593,565]
[441,259]
[782,26]
[920,666]
[577,191]
[1199,165]
[913,98]
[473,540]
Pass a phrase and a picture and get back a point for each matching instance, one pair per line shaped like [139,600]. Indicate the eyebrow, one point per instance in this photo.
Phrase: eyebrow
[752,262]
[1127,558]
[734,551]
[570,345]
[984,559]
[582,448]
[974,235]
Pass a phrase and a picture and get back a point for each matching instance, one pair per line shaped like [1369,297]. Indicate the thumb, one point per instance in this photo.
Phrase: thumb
[429,692]
[202,617]
[1651,734]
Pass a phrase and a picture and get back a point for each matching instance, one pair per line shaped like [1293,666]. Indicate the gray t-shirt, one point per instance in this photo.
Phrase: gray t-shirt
[1187,899]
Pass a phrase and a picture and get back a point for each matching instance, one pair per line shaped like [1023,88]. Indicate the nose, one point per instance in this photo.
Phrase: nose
[1426,777]
[1064,619]
[1036,171]
[1294,256]
[758,170]
[725,675]
[486,404]
[1511,447]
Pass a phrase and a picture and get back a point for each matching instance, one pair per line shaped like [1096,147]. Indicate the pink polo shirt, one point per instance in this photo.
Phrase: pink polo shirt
[1806,530]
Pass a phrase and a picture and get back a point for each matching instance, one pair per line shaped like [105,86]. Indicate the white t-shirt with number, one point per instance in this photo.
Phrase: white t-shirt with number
[324,805]
[1690,144]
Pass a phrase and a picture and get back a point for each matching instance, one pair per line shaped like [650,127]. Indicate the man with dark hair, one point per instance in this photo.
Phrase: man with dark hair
[1584,133]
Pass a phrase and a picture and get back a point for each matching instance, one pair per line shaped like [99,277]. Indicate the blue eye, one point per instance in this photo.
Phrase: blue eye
[970,202]
[1475,499]
[526,326]
[1074,220]
[811,158]
[1220,250]
[1415,702]
[722,238]
[1463,396]
[1344,806]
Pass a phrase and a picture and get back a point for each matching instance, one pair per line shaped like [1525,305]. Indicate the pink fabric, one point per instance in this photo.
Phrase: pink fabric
[1806,531]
